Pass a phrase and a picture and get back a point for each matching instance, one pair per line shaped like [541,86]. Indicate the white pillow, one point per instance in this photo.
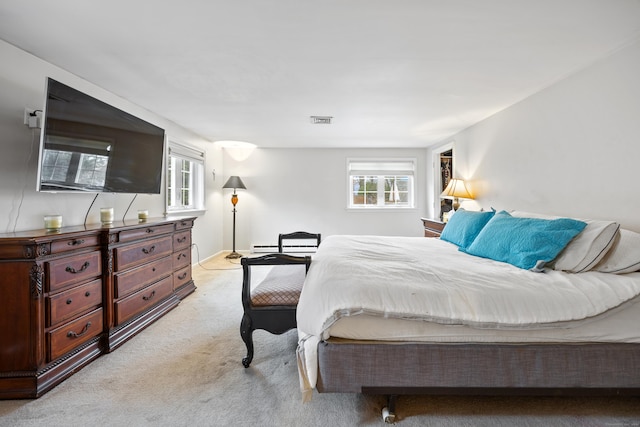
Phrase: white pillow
[624,256]
[587,248]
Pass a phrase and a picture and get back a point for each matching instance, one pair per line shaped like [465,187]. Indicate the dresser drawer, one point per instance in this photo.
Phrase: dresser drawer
[65,271]
[132,305]
[432,228]
[67,304]
[142,232]
[184,223]
[181,277]
[181,259]
[136,254]
[182,240]
[65,245]
[71,335]
[137,278]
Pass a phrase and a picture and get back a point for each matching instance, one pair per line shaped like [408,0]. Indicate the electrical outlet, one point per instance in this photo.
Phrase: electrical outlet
[27,114]
[31,118]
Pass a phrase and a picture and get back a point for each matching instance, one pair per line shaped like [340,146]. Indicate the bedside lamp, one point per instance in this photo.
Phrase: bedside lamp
[234,182]
[456,189]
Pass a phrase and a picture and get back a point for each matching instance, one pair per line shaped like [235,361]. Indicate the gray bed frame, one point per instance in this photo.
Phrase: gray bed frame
[553,369]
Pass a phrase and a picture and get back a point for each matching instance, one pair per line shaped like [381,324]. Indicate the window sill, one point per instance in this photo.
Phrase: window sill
[381,209]
[196,212]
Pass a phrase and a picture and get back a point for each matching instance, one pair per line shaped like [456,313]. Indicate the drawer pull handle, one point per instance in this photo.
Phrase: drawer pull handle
[182,276]
[84,330]
[182,239]
[69,301]
[75,242]
[182,255]
[87,294]
[72,270]
[153,269]
[150,250]
[149,230]
[183,223]
[147,298]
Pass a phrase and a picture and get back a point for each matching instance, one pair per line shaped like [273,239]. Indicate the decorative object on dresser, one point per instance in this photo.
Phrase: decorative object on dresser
[236,183]
[106,215]
[74,294]
[53,222]
[432,227]
[456,189]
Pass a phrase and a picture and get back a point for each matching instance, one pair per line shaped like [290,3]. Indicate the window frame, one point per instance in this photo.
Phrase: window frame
[180,152]
[382,168]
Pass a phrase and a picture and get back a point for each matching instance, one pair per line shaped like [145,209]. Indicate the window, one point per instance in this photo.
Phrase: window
[185,178]
[92,170]
[75,163]
[383,183]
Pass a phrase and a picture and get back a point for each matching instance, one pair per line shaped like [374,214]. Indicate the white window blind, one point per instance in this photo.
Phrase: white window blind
[382,167]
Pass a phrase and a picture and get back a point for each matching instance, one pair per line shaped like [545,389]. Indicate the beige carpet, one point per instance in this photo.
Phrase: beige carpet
[185,370]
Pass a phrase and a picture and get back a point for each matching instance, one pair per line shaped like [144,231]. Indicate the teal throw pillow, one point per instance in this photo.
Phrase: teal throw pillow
[464,226]
[528,243]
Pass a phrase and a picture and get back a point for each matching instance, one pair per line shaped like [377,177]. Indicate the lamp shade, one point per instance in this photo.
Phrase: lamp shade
[234,182]
[456,188]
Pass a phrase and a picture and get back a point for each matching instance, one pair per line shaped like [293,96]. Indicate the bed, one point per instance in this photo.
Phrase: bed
[413,315]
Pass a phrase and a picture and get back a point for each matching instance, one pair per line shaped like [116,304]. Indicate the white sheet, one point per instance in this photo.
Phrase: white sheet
[618,325]
[430,280]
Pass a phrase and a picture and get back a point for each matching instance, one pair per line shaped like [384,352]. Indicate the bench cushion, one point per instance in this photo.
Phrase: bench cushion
[281,286]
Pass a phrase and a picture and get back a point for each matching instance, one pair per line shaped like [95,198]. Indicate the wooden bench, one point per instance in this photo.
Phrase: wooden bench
[272,304]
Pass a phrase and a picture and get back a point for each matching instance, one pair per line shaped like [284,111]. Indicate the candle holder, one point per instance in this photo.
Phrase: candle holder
[143,215]
[106,215]
[53,222]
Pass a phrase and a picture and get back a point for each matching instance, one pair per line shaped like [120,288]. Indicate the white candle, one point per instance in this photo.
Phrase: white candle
[143,215]
[53,222]
[106,215]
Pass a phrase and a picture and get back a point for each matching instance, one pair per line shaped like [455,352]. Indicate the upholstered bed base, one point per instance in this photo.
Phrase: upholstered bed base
[470,368]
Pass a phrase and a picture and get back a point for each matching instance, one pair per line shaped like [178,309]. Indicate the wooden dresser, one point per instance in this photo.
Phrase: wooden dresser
[71,295]
[432,227]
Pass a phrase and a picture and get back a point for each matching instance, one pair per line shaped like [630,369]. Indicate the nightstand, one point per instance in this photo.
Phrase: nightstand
[432,227]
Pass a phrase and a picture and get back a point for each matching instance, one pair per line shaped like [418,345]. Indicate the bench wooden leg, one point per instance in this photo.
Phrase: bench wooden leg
[246,332]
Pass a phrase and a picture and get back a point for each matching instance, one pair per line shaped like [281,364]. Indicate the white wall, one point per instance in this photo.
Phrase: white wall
[306,189]
[22,84]
[572,149]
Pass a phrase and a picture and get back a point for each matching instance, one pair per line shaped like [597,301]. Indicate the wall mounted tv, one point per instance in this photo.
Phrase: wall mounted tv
[90,146]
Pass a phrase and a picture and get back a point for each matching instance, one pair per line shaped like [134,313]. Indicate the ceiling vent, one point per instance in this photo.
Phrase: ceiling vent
[321,120]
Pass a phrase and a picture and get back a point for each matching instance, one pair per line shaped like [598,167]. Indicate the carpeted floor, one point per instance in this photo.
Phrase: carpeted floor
[185,370]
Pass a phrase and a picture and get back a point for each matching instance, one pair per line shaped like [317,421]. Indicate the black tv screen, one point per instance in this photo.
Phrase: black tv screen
[90,146]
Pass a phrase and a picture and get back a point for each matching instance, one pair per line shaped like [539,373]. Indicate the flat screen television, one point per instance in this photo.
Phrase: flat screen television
[90,146]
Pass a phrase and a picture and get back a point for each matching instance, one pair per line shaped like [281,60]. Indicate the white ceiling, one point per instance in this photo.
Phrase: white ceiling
[392,73]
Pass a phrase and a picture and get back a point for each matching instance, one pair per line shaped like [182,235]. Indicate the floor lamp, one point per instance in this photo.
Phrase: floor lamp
[234,182]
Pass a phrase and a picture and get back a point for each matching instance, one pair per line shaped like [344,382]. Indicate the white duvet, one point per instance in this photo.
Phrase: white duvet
[430,280]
